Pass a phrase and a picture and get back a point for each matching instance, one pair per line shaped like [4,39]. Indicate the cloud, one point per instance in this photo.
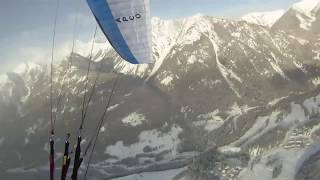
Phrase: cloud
[42,55]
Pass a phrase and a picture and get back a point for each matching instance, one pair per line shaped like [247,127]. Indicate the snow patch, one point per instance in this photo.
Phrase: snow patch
[316,81]
[167,81]
[111,108]
[192,60]
[317,55]
[161,175]
[236,34]
[275,65]
[229,150]
[153,138]
[305,23]
[210,121]
[236,110]
[300,66]
[134,119]
[276,101]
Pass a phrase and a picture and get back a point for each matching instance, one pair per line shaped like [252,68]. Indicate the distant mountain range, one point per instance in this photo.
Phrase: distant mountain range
[226,99]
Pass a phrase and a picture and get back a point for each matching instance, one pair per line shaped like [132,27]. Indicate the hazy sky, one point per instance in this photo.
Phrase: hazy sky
[26,25]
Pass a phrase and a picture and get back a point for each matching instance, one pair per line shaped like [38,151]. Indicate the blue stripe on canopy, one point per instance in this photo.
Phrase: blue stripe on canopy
[105,19]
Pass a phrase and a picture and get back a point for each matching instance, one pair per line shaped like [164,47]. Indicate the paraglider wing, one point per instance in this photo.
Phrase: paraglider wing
[127,26]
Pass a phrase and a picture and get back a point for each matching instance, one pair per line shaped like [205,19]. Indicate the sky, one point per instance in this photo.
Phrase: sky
[26,25]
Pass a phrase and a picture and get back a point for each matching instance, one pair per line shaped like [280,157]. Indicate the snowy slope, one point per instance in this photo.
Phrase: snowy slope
[300,19]
[284,160]
[305,6]
[164,35]
[306,11]
[317,8]
[263,18]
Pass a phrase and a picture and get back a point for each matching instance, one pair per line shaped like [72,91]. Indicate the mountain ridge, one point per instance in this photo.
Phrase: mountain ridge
[216,82]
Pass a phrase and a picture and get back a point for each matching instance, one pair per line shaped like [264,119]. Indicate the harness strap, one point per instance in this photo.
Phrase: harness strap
[77,160]
[51,158]
[66,159]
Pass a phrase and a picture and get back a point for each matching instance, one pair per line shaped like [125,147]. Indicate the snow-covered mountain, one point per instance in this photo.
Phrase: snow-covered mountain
[228,99]
[300,15]
[306,6]
[301,19]
[264,18]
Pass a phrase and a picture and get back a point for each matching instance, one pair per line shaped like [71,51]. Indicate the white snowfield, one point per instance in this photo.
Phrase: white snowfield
[155,139]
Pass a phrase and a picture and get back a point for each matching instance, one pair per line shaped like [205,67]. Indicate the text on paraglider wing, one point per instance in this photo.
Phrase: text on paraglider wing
[128,18]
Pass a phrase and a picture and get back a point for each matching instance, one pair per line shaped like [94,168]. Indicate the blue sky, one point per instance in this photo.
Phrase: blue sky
[26,25]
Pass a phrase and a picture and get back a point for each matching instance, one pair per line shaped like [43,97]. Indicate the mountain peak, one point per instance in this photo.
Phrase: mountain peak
[301,20]
[263,18]
[317,8]
[306,6]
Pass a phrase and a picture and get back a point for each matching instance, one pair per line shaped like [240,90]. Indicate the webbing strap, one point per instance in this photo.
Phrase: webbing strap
[77,160]
[51,159]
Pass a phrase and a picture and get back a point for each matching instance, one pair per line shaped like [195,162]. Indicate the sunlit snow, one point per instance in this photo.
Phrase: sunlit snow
[264,18]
